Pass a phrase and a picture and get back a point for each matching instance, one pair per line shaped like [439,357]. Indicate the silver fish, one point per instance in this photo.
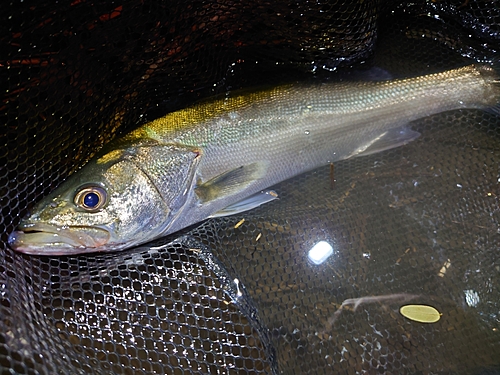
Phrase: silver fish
[217,157]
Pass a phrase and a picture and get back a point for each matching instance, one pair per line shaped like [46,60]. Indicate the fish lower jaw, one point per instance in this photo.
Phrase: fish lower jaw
[41,243]
[43,239]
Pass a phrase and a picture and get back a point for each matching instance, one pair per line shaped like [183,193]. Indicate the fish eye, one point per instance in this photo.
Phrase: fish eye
[91,198]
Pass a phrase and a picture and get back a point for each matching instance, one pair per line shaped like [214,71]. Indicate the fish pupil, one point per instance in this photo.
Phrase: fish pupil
[91,200]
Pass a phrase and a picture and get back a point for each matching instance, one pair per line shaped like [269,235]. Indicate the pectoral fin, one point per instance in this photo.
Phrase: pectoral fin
[248,203]
[385,141]
[230,182]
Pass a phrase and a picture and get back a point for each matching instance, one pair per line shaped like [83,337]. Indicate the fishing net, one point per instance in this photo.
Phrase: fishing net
[241,295]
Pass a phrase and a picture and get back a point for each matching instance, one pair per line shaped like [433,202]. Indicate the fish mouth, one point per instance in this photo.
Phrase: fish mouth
[47,239]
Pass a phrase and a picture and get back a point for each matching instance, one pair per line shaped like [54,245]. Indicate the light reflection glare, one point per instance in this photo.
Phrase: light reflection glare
[471,297]
[320,252]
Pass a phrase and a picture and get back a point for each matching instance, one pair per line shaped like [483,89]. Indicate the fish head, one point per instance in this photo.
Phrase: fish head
[121,198]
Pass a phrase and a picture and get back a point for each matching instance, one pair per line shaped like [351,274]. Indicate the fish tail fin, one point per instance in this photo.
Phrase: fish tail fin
[495,64]
[490,72]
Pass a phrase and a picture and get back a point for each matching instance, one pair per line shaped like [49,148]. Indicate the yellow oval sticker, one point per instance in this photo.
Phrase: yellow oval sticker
[420,313]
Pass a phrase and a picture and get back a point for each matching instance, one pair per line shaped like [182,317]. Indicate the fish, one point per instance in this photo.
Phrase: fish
[220,156]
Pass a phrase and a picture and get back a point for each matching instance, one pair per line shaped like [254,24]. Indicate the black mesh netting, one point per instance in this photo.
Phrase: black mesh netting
[418,224]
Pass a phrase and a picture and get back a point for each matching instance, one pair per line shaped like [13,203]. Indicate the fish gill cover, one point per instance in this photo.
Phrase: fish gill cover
[311,283]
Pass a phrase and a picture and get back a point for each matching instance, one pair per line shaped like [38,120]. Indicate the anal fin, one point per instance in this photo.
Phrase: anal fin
[390,139]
